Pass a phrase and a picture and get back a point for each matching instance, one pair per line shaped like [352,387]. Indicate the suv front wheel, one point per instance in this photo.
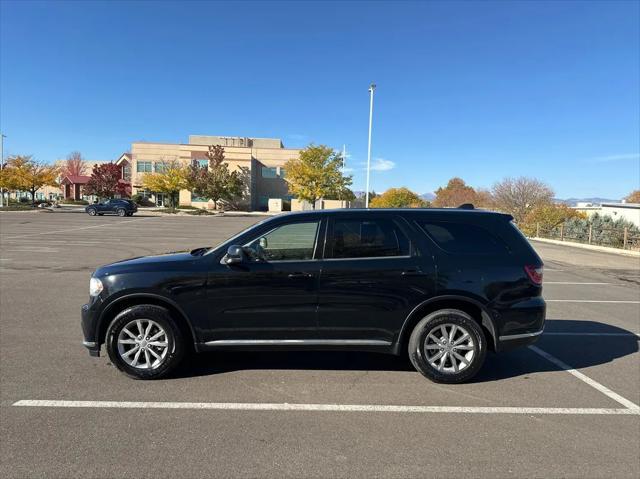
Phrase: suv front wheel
[144,342]
[448,346]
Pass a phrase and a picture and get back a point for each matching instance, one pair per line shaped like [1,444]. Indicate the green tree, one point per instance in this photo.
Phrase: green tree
[316,174]
[170,177]
[215,182]
[23,173]
[548,216]
[398,198]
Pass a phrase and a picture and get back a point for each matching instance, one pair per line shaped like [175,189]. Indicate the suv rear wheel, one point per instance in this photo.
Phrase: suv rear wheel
[92,211]
[448,346]
[144,342]
[121,212]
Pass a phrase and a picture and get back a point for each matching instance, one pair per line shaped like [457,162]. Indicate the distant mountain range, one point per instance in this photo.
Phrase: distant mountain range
[569,201]
[428,196]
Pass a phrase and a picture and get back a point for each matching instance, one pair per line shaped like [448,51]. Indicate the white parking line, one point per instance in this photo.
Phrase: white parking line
[123,223]
[594,384]
[588,301]
[320,407]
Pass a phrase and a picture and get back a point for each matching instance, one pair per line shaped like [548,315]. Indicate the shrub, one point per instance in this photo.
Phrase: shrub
[548,216]
[141,200]
[200,212]
[604,230]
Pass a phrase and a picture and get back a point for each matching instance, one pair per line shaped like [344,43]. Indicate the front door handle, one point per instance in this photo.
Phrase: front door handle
[413,272]
[299,275]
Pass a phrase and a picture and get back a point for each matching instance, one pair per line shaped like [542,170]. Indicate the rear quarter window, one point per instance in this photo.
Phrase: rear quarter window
[463,238]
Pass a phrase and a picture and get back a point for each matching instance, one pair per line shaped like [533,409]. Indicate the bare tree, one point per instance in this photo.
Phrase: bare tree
[518,196]
[74,165]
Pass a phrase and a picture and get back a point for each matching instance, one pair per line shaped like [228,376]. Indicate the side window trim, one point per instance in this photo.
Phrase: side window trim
[326,253]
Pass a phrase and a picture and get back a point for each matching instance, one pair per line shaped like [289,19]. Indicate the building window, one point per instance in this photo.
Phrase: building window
[282,173]
[195,197]
[269,172]
[201,162]
[159,167]
[143,167]
[126,172]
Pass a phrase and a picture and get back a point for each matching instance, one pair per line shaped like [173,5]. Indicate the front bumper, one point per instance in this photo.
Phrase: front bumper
[89,331]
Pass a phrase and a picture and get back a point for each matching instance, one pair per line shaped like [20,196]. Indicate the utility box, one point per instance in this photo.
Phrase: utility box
[275,205]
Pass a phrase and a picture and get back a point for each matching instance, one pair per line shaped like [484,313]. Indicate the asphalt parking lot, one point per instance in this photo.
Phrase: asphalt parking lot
[567,407]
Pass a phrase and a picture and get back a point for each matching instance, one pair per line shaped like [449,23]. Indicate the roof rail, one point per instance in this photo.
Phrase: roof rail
[466,206]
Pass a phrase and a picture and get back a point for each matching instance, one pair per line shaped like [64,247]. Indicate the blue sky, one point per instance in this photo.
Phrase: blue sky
[479,90]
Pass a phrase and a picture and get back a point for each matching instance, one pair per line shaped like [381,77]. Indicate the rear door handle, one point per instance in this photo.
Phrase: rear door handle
[413,272]
[299,275]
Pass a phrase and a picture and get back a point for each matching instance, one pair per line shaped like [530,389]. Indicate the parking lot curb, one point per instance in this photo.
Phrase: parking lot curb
[603,249]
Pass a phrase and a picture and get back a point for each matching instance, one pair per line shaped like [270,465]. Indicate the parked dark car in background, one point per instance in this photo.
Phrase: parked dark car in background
[120,207]
[443,286]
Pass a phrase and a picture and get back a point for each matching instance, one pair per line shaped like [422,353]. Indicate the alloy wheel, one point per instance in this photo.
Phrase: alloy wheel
[449,348]
[143,344]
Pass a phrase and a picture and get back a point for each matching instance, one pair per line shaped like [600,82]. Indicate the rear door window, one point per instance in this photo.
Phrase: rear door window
[463,238]
[366,238]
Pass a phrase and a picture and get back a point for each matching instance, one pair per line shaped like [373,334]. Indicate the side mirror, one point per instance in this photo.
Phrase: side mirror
[235,255]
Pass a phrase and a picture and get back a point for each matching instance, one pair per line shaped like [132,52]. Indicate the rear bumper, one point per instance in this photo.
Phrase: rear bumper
[505,343]
[521,323]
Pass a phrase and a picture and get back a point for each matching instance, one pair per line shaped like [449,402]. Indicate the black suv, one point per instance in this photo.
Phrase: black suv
[442,285]
[118,206]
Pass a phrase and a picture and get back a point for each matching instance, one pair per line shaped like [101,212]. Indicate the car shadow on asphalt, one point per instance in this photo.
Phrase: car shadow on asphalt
[603,343]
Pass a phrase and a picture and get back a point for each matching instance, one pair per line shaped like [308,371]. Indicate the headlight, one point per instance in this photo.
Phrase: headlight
[95,286]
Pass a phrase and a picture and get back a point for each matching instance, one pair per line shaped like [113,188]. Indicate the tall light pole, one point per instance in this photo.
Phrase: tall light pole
[2,137]
[344,157]
[372,87]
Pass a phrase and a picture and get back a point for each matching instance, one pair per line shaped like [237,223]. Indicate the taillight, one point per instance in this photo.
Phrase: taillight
[534,273]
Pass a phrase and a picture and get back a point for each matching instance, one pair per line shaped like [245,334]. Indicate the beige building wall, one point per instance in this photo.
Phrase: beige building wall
[246,155]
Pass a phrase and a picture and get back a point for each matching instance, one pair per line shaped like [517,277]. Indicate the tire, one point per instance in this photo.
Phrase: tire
[132,355]
[447,368]
[91,211]
[121,212]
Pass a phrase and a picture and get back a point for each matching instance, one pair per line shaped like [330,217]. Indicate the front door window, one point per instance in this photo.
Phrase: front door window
[291,242]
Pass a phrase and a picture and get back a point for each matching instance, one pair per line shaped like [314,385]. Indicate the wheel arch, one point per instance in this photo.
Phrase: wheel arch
[471,306]
[124,302]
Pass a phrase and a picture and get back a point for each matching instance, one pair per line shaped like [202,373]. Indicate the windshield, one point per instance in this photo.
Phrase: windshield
[211,249]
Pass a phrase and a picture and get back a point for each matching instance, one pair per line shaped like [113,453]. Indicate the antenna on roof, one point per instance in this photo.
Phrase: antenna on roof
[466,206]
